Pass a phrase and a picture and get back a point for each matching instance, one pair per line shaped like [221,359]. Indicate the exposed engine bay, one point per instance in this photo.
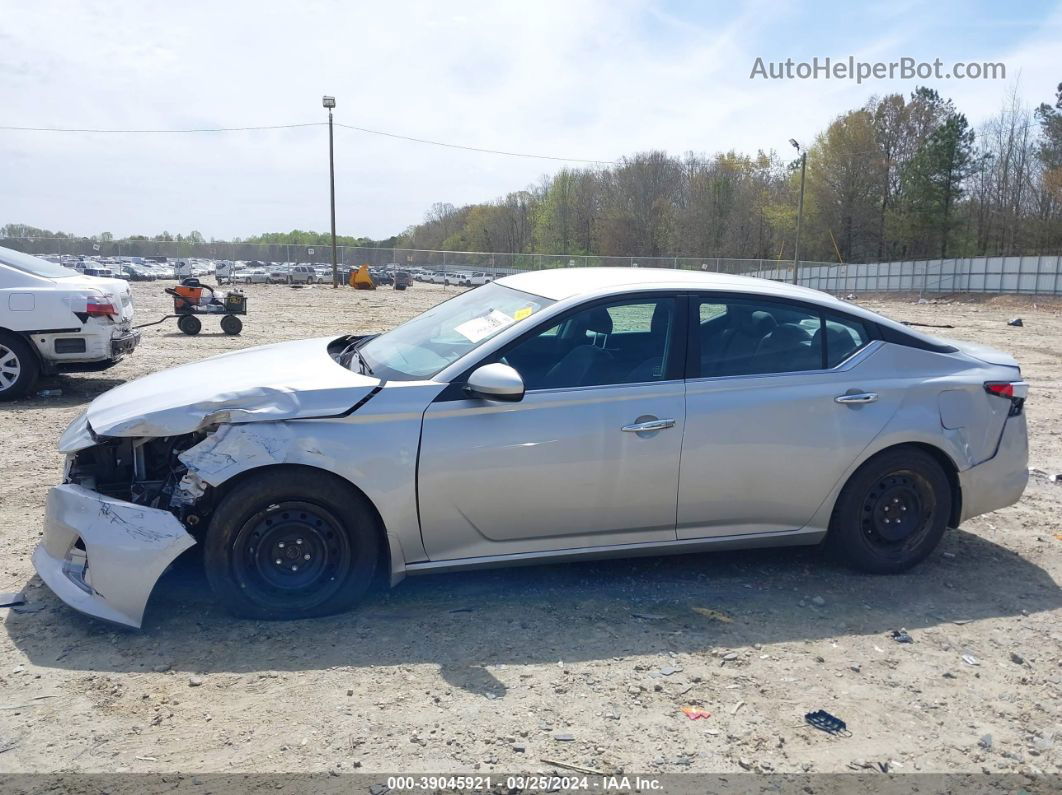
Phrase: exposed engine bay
[143,471]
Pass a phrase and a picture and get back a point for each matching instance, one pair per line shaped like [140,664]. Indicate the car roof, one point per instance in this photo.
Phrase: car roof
[560,284]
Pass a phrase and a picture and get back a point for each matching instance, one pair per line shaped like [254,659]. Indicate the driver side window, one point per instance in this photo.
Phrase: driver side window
[625,342]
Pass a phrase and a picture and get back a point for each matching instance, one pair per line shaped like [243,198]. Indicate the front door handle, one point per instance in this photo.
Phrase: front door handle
[861,397]
[648,425]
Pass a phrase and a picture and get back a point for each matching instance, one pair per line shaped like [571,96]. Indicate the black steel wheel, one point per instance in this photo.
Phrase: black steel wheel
[289,555]
[189,324]
[291,543]
[231,325]
[892,512]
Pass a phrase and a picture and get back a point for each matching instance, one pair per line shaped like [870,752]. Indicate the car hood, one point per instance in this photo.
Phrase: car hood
[274,382]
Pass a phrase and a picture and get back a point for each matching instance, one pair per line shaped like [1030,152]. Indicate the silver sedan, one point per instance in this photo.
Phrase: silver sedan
[547,416]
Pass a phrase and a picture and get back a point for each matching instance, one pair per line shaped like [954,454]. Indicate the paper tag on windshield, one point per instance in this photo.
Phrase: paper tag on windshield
[480,327]
[520,314]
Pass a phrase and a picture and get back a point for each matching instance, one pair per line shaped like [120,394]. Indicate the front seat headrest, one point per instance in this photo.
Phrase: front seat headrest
[598,320]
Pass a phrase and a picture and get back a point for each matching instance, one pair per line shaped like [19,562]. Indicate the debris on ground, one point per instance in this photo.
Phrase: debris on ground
[566,766]
[969,659]
[12,599]
[901,636]
[1015,321]
[695,713]
[831,724]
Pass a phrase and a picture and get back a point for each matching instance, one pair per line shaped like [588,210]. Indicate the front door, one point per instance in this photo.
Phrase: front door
[589,457]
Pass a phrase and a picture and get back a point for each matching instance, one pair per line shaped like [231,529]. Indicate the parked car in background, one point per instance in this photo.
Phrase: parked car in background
[99,272]
[459,278]
[479,277]
[400,280]
[137,273]
[254,276]
[548,416]
[54,318]
[302,274]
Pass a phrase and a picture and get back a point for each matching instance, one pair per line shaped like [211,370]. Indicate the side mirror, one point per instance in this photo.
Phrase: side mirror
[496,382]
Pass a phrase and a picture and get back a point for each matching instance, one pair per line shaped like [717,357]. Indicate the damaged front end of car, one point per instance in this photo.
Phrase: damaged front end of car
[143,464]
[127,508]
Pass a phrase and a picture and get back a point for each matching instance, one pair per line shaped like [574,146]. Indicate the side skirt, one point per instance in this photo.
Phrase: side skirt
[806,537]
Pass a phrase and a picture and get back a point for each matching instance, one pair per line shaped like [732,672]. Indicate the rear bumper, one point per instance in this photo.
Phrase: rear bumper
[126,549]
[125,343]
[1001,480]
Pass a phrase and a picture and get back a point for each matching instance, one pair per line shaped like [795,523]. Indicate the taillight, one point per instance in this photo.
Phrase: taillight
[1003,389]
[100,307]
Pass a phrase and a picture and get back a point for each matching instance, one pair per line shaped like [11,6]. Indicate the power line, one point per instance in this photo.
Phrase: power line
[474,148]
[138,132]
[366,130]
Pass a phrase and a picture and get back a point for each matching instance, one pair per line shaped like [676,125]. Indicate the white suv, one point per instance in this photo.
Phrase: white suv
[54,318]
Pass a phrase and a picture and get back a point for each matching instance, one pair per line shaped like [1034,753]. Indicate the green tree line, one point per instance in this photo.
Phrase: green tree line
[900,177]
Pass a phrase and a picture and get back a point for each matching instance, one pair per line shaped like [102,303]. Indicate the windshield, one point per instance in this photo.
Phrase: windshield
[34,265]
[423,346]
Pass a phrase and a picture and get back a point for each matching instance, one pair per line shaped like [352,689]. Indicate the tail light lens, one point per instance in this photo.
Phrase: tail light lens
[1005,389]
[100,307]
[1001,389]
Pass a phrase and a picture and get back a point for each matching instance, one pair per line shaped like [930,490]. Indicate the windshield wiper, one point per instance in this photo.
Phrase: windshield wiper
[365,368]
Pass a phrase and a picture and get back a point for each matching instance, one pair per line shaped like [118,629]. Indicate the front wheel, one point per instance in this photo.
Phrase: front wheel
[892,512]
[19,367]
[189,324]
[291,543]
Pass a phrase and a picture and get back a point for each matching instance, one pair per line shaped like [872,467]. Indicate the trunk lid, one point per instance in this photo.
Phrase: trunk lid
[984,353]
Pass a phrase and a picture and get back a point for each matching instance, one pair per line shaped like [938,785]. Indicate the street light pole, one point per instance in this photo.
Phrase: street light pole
[800,210]
[330,102]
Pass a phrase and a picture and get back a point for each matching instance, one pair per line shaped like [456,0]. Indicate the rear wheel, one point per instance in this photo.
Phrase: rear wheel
[189,324]
[291,544]
[892,512]
[231,325]
[19,367]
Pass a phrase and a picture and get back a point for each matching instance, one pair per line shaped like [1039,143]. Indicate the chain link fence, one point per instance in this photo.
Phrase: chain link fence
[1038,275]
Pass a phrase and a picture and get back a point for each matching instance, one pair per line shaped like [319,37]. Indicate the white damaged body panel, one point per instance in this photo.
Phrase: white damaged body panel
[126,548]
[268,383]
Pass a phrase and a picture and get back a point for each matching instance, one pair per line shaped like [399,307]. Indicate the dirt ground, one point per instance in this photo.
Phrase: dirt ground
[587,664]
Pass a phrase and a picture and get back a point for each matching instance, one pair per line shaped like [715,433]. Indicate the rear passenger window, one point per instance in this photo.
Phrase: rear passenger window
[844,336]
[749,337]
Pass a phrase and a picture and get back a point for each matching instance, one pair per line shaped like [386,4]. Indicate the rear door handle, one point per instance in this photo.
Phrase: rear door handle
[650,425]
[862,397]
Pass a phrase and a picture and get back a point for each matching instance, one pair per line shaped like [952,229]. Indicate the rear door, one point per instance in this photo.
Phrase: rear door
[781,398]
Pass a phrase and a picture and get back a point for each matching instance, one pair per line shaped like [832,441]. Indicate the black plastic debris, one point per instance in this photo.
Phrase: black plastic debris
[1015,321]
[828,723]
[901,636]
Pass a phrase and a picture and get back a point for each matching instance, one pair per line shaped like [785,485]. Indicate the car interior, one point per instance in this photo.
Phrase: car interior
[628,343]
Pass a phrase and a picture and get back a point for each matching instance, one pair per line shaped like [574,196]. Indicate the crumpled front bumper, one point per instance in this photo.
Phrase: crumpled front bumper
[126,549]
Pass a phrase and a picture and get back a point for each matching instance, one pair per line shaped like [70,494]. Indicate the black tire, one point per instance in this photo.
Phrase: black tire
[189,324]
[19,367]
[892,512]
[231,325]
[303,518]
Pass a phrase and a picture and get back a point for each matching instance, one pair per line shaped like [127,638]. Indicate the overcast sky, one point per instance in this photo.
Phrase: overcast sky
[593,79]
